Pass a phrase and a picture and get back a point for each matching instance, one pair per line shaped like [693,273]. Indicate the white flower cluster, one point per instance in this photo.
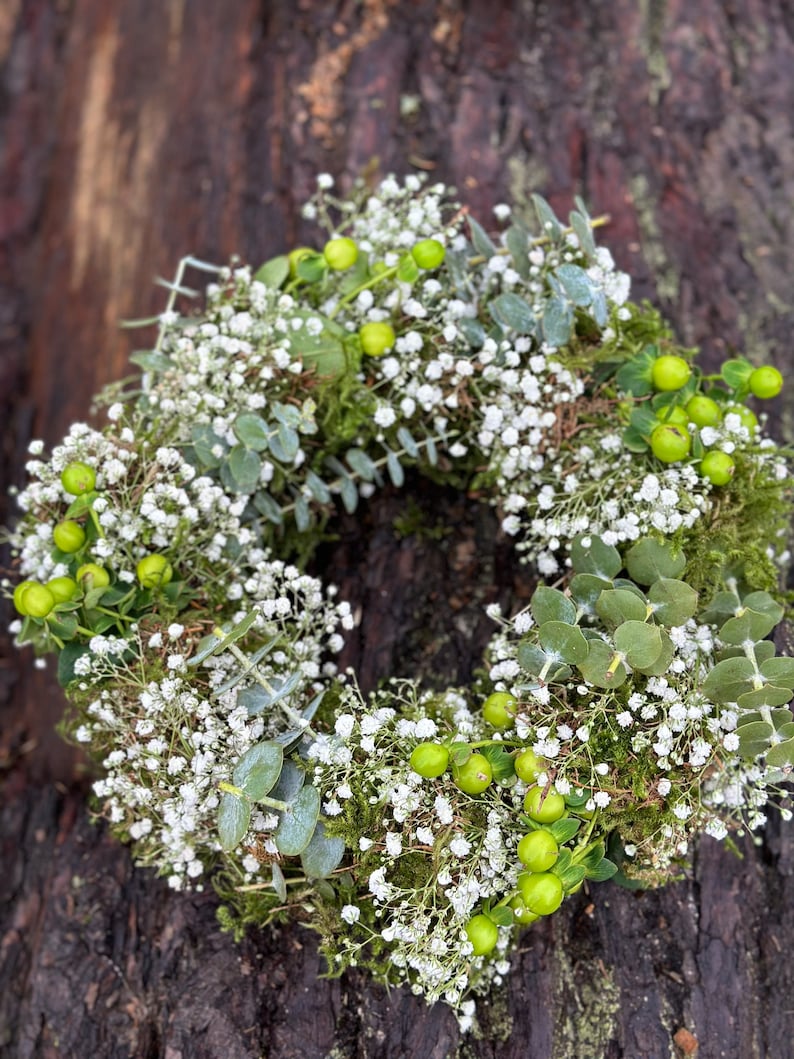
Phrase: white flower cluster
[431,860]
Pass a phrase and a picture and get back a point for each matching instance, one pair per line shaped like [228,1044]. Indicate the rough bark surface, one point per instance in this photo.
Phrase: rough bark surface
[132,133]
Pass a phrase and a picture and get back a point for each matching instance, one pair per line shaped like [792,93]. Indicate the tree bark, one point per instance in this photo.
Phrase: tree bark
[133,133]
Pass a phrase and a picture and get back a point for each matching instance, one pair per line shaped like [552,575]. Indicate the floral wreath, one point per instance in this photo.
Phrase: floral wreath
[634,704]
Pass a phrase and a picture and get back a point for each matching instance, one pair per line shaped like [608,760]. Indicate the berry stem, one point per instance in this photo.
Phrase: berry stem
[353,294]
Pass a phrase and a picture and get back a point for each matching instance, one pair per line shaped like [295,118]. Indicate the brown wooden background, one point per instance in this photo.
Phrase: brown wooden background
[134,131]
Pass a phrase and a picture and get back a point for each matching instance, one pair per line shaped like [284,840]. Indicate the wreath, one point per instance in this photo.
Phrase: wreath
[636,702]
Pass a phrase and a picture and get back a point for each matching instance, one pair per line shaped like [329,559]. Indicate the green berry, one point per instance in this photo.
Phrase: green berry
[340,254]
[428,253]
[62,588]
[538,850]
[670,443]
[483,933]
[154,571]
[766,382]
[528,765]
[474,775]
[430,760]
[36,601]
[69,536]
[377,338]
[544,810]
[90,575]
[675,416]
[718,467]
[521,913]
[19,592]
[541,891]
[670,373]
[499,709]
[78,478]
[703,411]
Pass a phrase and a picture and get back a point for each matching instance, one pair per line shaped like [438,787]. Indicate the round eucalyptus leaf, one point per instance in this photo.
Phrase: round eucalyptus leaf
[323,854]
[549,604]
[629,586]
[599,667]
[589,555]
[779,670]
[748,626]
[585,590]
[661,663]
[754,738]
[640,644]
[648,560]
[618,605]
[258,770]
[674,602]
[781,754]
[290,781]
[729,679]
[252,431]
[564,643]
[296,827]
[531,658]
[768,695]
[763,603]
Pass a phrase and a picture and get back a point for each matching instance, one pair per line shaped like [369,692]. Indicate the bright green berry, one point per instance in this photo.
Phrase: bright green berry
[69,536]
[544,810]
[377,338]
[340,254]
[521,913]
[36,600]
[541,891]
[474,775]
[62,588]
[766,382]
[747,416]
[670,443]
[430,760]
[670,373]
[90,575]
[718,467]
[538,850]
[19,592]
[528,765]
[154,571]
[499,709]
[703,411]
[483,933]
[428,253]
[675,416]
[78,478]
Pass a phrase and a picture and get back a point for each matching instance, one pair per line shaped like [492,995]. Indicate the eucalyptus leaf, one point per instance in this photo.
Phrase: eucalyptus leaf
[268,506]
[273,272]
[362,465]
[394,467]
[511,311]
[648,560]
[291,778]
[557,322]
[297,823]
[284,443]
[661,663]
[549,604]
[768,695]
[234,816]
[747,627]
[781,754]
[258,769]
[205,444]
[278,882]
[600,668]
[349,494]
[673,602]
[779,671]
[583,232]
[242,468]
[640,644]
[754,738]
[589,555]
[576,283]
[151,360]
[324,853]
[517,243]
[472,330]
[303,518]
[252,430]
[563,642]
[618,605]
[549,222]
[481,241]
[317,487]
[729,679]
[586,589]
[406,439]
